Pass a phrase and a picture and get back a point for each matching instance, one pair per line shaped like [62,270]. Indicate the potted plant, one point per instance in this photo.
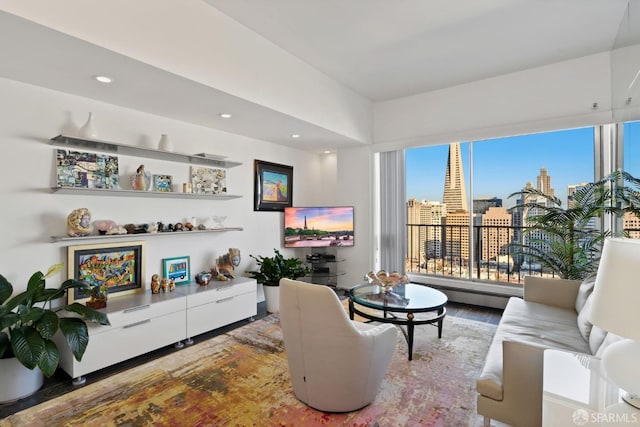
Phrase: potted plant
[271,270]
[568,241]
[97,296]
[28,321]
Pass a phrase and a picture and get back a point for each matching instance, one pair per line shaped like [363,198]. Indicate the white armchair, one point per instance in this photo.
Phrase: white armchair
[336,364]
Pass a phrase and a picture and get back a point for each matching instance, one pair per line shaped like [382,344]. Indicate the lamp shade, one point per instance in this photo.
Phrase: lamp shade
[616,294]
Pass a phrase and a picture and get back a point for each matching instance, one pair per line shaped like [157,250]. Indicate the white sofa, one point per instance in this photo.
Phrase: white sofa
[336,365]
[553,314]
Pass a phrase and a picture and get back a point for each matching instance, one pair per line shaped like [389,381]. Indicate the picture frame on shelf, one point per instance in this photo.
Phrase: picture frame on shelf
[162,183]
[208,180]
[77,169]
[273,186]
[119,266]
[177,268]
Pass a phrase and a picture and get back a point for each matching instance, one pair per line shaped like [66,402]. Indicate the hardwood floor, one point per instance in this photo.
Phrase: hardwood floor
[60,382]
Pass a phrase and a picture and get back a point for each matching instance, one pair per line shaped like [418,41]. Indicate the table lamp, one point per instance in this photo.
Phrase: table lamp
[615,307]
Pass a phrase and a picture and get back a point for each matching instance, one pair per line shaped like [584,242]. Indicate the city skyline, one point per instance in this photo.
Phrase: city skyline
[504,165]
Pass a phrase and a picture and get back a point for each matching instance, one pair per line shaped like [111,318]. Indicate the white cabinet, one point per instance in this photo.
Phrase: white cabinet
[219,304]
[144,322]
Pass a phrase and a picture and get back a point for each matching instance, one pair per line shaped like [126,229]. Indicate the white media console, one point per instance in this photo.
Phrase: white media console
[144,322]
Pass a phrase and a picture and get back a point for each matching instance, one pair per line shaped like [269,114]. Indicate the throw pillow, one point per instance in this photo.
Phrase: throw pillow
[585,289]
[584,325]
[596,337]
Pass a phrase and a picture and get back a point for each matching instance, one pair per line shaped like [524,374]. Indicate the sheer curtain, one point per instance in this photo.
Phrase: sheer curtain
[393,215]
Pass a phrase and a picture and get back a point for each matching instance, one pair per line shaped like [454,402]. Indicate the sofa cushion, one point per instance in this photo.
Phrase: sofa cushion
[596,338]
[584,324]
[585,289]
[537,324]
[608,340]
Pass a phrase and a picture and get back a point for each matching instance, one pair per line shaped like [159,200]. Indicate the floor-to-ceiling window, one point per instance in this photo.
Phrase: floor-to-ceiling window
[461,219]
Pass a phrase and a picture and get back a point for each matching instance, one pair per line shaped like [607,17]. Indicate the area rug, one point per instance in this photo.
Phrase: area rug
[241,378]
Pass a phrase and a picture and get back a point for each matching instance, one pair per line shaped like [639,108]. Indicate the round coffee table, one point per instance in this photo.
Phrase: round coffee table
[400,306]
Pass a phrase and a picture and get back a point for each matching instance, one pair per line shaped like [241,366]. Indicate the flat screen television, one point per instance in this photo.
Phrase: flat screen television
[319,226]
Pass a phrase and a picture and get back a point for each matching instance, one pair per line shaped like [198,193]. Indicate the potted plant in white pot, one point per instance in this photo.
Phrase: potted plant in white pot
[28,321]
[271,270]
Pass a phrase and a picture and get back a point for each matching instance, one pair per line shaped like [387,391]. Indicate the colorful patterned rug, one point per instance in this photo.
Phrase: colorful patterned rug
[241,378]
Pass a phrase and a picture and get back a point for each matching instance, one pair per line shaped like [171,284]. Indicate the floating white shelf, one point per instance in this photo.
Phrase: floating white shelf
[202,159]
[136,193]
[141,235]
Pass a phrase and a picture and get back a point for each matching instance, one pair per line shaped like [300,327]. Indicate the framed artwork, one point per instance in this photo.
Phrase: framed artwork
[86,170]
[119,266]
[162,183]
[273,189]
[176,268]
[208,180]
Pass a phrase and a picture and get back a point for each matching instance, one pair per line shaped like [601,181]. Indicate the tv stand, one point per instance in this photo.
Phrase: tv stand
[324,267]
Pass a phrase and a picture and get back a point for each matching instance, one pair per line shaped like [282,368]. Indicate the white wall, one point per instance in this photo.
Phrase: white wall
[196,41]
[30,213]
[546,98]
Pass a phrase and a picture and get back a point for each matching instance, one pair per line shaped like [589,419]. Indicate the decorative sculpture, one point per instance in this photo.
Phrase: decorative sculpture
[141,180]
[155,284]
[226,264]
[79,223]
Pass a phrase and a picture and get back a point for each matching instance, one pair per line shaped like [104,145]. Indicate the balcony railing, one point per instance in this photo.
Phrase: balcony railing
[444,251]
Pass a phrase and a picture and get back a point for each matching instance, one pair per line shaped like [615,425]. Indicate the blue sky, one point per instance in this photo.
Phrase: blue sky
[504,165]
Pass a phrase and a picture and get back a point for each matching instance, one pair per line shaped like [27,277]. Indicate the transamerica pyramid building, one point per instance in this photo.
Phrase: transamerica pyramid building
[455,194]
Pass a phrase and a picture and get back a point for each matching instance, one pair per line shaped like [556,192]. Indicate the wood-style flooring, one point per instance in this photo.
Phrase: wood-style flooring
[60,382]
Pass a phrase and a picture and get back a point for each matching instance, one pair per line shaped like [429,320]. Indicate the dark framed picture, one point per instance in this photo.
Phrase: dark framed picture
[118,266]
[273,190]
[176,268]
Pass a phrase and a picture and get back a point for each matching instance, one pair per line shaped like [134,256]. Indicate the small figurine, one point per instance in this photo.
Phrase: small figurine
[226,263]
[177,226]
[79,223]
[203,278]
[141,180]
[155,284]
[188,226]
[172,285]
[164,284]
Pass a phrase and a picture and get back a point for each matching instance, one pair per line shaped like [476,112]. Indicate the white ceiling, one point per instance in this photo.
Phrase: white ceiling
[381,49]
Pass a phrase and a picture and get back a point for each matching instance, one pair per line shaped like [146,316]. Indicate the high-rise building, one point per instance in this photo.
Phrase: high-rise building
[482,204]
[571,189]
[425,233]
[544,183]
[631,224]
[496,232]
[455,193]
[456,235]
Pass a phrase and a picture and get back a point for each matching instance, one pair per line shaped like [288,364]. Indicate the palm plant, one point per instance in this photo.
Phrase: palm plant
[568,241]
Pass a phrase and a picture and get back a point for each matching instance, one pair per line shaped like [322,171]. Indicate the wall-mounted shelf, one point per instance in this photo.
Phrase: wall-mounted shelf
[136,193]
[66,141]
[141,235]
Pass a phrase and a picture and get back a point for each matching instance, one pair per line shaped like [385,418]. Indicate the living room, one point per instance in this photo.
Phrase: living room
[175,68]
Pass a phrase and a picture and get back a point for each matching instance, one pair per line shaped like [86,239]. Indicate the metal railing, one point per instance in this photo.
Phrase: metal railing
[444,250]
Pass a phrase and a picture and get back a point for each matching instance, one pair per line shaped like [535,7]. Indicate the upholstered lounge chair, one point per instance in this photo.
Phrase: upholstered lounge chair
[336,365]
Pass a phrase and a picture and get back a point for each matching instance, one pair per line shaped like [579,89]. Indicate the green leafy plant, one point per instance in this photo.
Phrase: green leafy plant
[568,241]
[272,269]
[28,321]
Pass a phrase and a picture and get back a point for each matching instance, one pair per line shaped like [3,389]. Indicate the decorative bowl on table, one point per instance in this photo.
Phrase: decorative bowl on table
[387,281]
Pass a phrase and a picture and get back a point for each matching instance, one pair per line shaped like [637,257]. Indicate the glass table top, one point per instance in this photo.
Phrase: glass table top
[409,297]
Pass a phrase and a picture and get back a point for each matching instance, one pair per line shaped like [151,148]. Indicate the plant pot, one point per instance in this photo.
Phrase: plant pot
[17,381]
[272,298]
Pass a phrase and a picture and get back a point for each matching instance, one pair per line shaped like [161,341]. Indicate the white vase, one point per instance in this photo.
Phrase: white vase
[18,381]
[272,298]
[165,143]
[88,130]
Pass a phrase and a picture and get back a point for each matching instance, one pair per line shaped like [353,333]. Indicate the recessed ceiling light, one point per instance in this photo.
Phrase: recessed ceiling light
[327,151]
[225,115]
[296,136]
[104,79]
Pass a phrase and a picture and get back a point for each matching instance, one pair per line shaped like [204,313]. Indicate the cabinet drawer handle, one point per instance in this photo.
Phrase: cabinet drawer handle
[142,322]
[221,288]
[140,307]
[223,300]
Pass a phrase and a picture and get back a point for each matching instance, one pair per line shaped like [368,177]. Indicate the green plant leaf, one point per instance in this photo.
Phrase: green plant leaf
[48,324]
[88,313]
[77,335]
[55,268]
[48,362]
[6,289]
[27,346]
[5,344]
